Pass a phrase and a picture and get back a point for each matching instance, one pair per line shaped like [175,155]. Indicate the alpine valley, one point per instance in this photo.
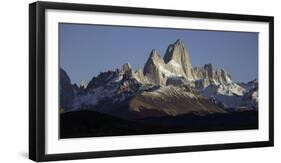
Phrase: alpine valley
[167,96]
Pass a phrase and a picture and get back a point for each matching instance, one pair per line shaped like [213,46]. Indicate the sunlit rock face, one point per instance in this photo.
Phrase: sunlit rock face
[153,69]
[178,57]
[176,63]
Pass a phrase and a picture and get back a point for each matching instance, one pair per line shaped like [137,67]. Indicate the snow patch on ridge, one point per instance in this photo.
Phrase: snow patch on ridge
[174,64]
[168,73]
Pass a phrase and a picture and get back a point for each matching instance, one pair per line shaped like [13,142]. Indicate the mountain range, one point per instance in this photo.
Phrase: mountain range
[168,86]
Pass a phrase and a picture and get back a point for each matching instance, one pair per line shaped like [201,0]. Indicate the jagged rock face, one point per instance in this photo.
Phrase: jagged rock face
[138,75]
[104,78]
[208,71]
[112,86]
[127,69]
[128,85]
[197,73]
[176,63]
[67,92]
[222,76]
[152,69]
[157,71]
[207,75]
[178,54]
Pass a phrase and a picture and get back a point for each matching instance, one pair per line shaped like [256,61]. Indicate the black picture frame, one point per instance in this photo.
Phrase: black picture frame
[37,80]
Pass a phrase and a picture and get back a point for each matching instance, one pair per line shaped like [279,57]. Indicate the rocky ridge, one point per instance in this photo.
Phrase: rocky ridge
[165,86]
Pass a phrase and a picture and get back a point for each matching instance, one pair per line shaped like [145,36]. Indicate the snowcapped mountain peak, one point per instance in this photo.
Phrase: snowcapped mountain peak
[152,68]
[208,70]
[176,63]
[174,71]
[154,58]
[177,53]
[179,42]
[208,67]
[83,84]
[154,55]
[127,67]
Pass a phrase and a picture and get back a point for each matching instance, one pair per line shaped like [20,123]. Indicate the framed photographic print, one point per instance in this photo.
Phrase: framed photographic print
[118,81]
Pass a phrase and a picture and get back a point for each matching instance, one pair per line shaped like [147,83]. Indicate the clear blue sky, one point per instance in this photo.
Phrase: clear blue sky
[87,50]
